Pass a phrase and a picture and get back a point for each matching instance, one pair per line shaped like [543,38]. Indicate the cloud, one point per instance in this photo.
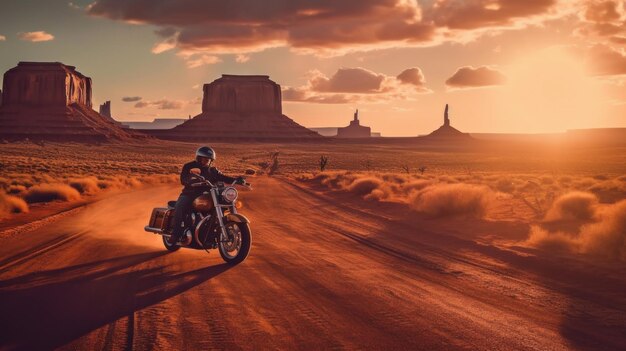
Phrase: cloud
[165,45]
[35,36]
[348,85]
[603,18]
[348,80]
[470,77]
[605,61]
[302,94]
[194,60]
[415,77]
[618,39]
[242,58]
[162,104]
[3,38]
[324,27]
[131,98]
[602,11]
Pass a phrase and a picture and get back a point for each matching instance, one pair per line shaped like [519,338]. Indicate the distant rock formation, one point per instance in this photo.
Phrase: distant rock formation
[239,106]
[355,129]
[157,123]
[446,131]
[105,109]
[52,101]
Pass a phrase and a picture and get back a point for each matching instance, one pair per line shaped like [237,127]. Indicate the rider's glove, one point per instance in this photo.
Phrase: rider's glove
[240,180]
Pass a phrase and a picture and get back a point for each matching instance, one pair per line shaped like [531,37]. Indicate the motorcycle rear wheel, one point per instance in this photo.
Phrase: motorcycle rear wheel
[237,248]
[169,246]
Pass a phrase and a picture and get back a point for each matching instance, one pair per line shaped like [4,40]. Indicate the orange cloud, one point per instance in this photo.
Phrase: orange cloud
[474,14]
[415,77]
[349,85]
[348,80]
[602,18]
[240,58]
[602,11]
[605,61]
[162,104]
[324,27]
[35,36]
[470,77]
[131,98]
[303,95]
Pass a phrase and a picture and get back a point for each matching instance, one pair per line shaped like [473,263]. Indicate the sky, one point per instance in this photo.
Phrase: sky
[504,66]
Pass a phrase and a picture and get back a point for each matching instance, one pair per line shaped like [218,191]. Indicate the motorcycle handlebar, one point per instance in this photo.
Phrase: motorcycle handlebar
[205,182]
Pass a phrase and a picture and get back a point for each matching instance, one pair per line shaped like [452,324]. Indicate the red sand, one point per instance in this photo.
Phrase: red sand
[325,272]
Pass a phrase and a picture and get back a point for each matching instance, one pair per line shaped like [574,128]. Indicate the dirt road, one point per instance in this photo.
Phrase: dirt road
[325,272]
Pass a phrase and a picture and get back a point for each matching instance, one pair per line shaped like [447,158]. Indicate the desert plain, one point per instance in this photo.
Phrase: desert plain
[397,244]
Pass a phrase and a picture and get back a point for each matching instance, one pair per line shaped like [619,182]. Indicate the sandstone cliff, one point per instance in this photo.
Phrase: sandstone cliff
[52,101]
[239,107]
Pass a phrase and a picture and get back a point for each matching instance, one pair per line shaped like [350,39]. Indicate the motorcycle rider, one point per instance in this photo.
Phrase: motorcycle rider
[204,157]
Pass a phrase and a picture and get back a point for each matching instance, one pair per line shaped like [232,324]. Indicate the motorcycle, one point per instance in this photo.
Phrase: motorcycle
[212,224]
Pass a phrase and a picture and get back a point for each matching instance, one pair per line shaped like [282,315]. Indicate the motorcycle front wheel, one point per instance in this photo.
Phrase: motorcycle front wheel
[237,246]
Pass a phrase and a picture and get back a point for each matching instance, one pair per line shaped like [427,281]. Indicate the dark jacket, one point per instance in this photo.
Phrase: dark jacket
[210,173]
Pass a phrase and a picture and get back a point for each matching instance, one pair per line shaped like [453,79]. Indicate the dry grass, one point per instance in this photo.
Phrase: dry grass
[445,200]
[11,204]
[586,227]
[50,192]
[575,205]
[436,198]
[531,174]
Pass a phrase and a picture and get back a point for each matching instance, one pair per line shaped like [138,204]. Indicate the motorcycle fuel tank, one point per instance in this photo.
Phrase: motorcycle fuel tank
[203,203]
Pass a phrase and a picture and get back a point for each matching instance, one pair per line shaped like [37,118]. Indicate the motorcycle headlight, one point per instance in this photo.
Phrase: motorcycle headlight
[229,194]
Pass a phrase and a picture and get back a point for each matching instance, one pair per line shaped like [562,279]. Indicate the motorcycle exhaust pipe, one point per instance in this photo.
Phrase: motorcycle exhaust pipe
[156,231]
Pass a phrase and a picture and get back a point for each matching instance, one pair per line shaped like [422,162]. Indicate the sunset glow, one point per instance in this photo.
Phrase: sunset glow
[503,66]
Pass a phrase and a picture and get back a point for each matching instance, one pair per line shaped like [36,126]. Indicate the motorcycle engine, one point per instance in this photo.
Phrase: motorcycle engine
[186,238]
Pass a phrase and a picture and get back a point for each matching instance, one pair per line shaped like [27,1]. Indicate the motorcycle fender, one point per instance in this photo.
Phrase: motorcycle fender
[236,217]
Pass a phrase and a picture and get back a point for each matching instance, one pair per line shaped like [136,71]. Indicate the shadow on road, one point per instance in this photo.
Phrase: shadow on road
[47,309]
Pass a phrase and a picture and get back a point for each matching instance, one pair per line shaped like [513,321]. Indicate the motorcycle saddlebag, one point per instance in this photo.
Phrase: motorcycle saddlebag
[161,218]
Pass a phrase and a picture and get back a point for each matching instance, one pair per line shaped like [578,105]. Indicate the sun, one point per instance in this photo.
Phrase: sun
[550,91]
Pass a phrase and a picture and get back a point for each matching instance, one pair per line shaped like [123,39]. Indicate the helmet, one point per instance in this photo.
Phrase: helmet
[207,152]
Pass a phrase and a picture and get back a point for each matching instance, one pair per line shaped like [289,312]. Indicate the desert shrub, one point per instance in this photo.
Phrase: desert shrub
[575,205]
[504,185]
[378,195]
[365,185]
[608,186]
[604,237]
[452,200]
[557,241]
[447,179]
[529,186]
[394,178]
[600,177]
[415,185]
[11,204]
[16,189]
[51,192]
[582,183]
[87,185]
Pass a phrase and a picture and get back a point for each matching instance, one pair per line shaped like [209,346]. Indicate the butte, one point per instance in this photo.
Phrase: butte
[239,107]
[52,101]
[446,131]
[355,129]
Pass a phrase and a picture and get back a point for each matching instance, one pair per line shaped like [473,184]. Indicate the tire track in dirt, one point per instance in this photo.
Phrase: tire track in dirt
[37,251]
